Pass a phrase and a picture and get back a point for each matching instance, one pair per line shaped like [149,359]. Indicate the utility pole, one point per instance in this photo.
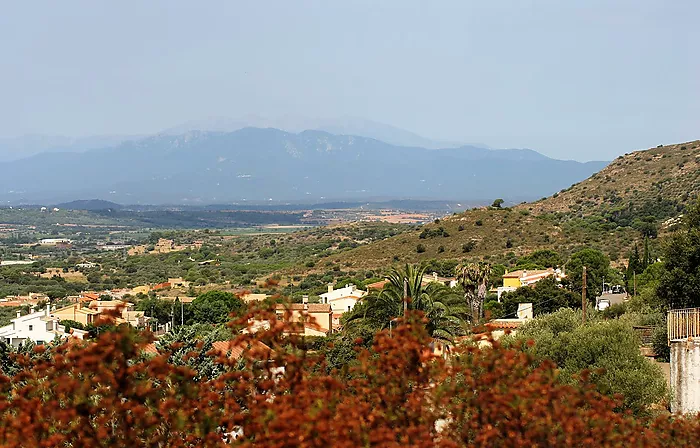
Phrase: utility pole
[405,296]
[182,313]
[583,294]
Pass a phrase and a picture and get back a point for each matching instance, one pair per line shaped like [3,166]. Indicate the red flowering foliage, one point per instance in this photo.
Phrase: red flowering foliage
[106,393]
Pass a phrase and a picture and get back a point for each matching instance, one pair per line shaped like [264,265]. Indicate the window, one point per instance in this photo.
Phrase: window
[31,327]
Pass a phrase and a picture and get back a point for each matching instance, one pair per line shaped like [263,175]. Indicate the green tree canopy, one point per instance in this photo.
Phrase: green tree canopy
[444,309]
[597,268]
[608,349]
[546,296]
[540,259]
[679,286]
[214,307]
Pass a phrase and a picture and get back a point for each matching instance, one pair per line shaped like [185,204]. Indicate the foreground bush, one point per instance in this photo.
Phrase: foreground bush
[107,393]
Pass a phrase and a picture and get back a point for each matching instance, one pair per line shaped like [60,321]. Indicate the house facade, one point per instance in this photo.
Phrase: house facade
[344,299]
[309,319]
[78,313]
[518,279]
[40,327]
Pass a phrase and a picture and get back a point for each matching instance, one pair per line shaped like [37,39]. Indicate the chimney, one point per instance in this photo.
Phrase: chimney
[19,314]
[48,310]
[525,311]
[330,287]
[435,276]
[305,301]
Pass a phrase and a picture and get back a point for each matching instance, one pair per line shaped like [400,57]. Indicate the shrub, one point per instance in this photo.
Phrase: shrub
[68,324]
[468,246]
[420,248]
[608,350]
[391,393]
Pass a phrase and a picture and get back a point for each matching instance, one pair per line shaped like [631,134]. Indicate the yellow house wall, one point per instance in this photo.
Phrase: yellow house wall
[74,314]
[511,282]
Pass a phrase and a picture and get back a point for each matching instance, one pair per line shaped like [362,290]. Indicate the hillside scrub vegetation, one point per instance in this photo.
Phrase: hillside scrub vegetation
[637,196]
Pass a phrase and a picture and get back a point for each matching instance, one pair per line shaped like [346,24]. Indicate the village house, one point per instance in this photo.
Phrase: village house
[178,282]
[144,289]
[55,242]
[518,279]
[86,265]
[250,297]
[343,299]
[164,246]
[31,299]
[309,319]
[450,282]
[40,327]
[499,327]
[125,312]
[78,313]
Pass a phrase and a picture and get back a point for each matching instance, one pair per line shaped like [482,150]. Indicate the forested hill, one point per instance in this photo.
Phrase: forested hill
[639,195]
[268,164]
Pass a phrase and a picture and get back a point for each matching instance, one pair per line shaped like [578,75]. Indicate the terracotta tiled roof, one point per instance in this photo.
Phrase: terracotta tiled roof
[504,324]
[528,273]
[312,307]
[377,285]
[236,351]
[150,349]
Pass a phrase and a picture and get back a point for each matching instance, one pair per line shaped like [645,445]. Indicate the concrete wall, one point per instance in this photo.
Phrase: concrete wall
[685,376]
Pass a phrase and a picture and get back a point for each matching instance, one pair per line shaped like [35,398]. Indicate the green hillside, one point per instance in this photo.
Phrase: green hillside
[635,196]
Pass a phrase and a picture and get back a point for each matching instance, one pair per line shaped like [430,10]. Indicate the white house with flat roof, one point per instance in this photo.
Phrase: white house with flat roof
[40,327]
[344,299]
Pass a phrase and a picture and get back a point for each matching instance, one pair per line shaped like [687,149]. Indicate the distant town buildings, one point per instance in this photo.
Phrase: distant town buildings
[55,241]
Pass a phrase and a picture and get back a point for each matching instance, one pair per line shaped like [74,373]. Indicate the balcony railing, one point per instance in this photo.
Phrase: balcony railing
[683,324]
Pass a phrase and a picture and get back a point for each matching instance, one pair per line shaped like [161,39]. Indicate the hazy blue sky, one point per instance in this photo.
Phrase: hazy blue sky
[582,80]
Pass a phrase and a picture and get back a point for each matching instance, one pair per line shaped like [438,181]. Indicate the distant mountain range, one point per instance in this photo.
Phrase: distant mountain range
[16,148]
[257,165]
[338,126]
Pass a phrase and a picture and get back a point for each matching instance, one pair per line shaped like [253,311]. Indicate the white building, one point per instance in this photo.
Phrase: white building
[39,327]
[450,282]
[54,241]
[342,300]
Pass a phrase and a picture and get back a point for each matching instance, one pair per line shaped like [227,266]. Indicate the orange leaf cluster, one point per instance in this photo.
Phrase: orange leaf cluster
[107,393]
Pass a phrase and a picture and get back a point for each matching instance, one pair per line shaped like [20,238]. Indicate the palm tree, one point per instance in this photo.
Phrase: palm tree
[443,308]
[473,278]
